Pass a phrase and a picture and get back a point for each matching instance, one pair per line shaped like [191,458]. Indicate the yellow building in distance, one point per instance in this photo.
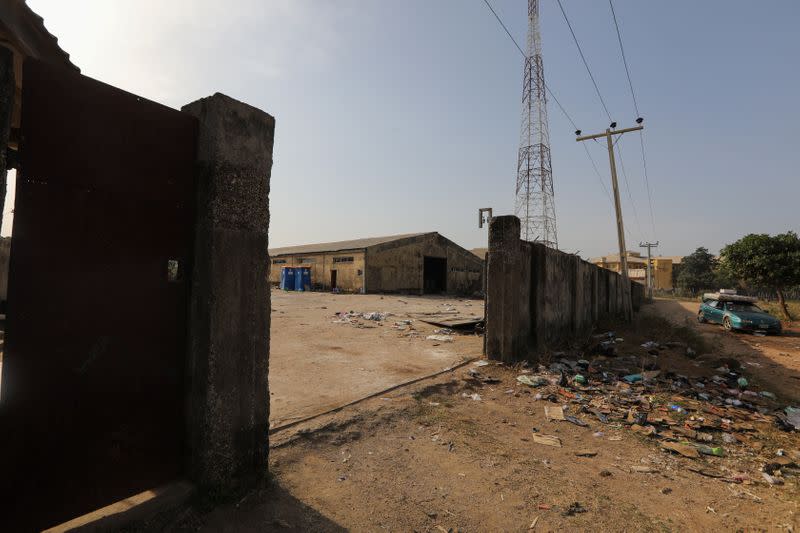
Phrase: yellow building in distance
[637,268]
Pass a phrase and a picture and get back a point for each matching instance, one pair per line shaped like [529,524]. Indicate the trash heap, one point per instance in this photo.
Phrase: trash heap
[713,416]
[356,318]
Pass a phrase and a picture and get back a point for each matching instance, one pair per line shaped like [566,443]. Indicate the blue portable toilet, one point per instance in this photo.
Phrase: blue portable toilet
[302,279]
[287,278]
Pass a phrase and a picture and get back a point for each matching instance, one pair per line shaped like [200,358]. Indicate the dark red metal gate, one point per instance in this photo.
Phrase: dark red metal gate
[96,330]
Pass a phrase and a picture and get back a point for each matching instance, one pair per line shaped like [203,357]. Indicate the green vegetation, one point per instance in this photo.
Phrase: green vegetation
[774,308]
[701,271]
[765,261]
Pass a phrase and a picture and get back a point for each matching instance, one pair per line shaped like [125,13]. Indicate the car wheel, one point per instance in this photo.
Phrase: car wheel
[701,317]
[726,323]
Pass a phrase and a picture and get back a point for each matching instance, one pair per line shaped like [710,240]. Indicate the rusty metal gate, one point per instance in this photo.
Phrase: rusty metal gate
[97,302]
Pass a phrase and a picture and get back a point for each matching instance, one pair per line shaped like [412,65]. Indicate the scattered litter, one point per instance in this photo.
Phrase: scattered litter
[482,362]
[475,396]
[439,338]
[574,509]
[585,453]
[633,378]
[533,381]
[554,412]
[644,470]
[575,420]
[548,440]
[790,418]
[717,451]
[579,379]
[533,524]
[683,449]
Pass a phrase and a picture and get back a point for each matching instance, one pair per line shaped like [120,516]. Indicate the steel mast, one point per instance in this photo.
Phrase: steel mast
[535,198]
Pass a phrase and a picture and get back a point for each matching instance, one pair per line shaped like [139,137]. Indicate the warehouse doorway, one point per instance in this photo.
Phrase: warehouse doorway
[333,279]
[434,275]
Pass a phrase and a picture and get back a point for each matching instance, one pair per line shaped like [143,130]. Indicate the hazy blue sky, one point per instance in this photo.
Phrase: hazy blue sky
[395,117]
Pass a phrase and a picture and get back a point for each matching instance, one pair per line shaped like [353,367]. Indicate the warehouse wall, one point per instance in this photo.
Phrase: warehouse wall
[538,297]
[349,275]
[398,266]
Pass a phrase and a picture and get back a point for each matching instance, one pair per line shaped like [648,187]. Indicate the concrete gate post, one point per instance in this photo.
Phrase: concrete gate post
[508,284]
[227,391]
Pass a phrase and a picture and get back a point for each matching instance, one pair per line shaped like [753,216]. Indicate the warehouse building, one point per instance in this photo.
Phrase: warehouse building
[415,263]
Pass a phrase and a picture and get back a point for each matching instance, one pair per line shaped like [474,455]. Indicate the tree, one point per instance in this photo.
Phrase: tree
[771,262]
[697,271]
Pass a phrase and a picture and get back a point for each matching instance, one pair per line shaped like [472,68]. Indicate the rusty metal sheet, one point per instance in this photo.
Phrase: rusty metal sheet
[96,325]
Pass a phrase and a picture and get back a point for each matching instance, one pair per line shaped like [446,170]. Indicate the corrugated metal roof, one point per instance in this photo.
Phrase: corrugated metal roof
[355,244]
[27,32]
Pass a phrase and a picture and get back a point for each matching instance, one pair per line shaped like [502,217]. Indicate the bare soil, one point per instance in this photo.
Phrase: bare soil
[318,362]
[433,456]
[773,361]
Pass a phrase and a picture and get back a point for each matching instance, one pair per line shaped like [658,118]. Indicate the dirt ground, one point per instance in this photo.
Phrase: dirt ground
[318,363]
[464,452]
[774,361]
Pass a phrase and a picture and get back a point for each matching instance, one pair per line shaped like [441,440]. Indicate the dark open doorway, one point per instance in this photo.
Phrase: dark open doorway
[333,279]
[434,275]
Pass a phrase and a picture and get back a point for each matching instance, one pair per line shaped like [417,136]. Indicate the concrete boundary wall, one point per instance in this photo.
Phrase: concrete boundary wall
[539,298]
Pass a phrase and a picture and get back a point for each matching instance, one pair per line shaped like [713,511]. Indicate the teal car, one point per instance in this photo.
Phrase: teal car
[737,313]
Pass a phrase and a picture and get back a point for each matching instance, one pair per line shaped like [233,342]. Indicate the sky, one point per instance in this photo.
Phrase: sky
[397,117]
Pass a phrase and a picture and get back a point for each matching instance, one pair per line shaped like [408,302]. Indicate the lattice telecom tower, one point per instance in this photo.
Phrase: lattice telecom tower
[534,205]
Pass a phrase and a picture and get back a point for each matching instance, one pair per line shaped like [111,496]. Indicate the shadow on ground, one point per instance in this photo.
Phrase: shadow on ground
[270,508]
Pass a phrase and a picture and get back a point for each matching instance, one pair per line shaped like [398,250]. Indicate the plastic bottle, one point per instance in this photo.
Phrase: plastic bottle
[717,451]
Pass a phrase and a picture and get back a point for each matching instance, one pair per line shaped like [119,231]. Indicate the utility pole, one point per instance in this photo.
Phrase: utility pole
[649,245]
[623,254]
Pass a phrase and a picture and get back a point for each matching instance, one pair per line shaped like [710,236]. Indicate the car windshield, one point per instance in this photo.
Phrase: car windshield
[738,307]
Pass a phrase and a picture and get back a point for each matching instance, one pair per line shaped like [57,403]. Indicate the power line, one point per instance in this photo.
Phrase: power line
[636,108]
[624,59]
[647,183]
[585,63]
[561,107]
[504,27]
[628,188]
[553,96]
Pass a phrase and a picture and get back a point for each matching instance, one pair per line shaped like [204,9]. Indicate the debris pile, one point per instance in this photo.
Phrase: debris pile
[698,418]
[354,318]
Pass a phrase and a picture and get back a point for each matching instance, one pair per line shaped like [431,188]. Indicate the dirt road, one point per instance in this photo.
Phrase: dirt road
[774,361]
[318,362]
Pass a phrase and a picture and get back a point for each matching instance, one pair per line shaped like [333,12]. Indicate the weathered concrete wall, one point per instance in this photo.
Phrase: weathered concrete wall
[538,298]
[398,266]
[349,275]
[227,395]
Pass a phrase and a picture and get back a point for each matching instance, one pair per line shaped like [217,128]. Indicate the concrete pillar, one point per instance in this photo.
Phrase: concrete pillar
[508,272]
[7,91]
[227,394]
